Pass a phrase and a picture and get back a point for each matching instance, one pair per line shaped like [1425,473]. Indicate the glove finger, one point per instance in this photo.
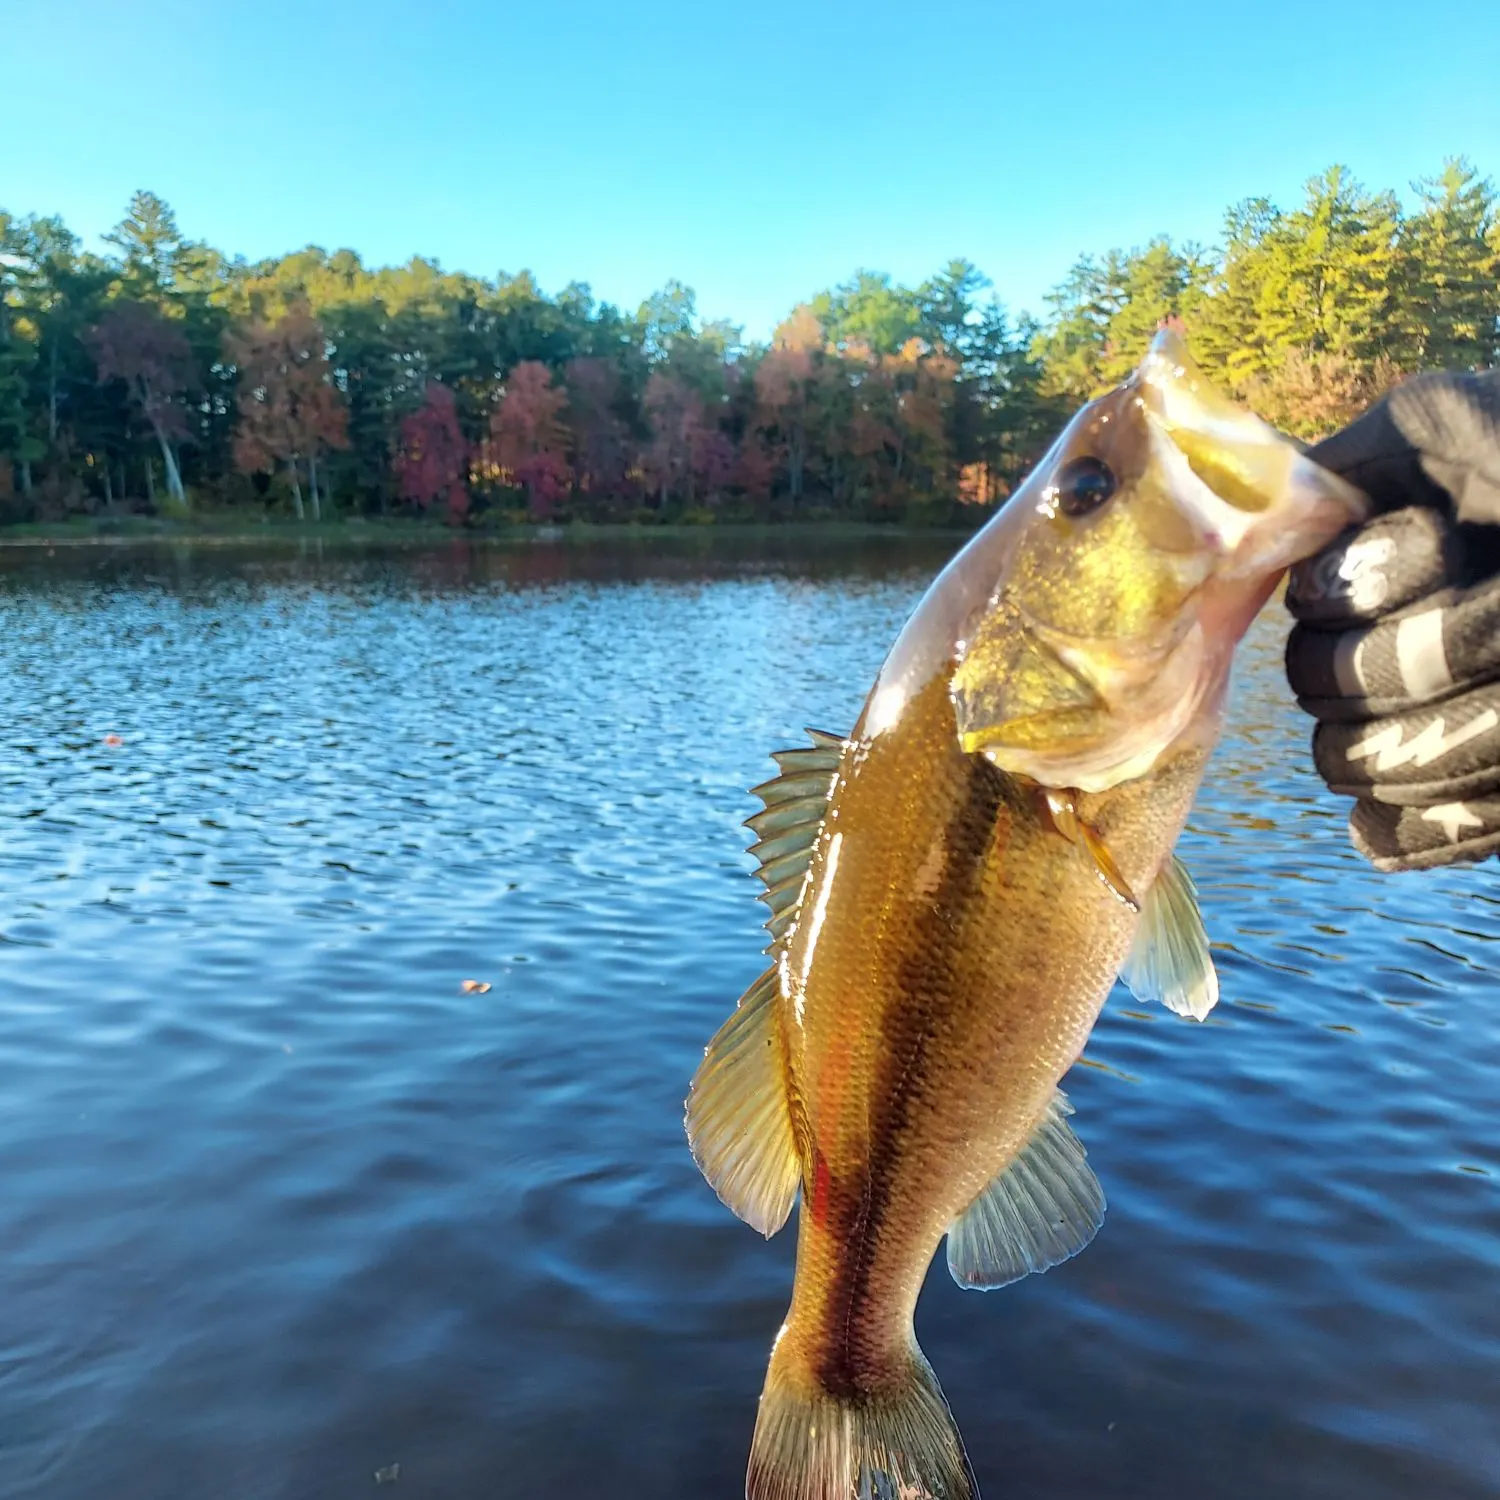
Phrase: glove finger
[1448,643]
[1435,440]
[1419,838]
[1429,755]
[1454,423]
[1373,453]
[1376,568]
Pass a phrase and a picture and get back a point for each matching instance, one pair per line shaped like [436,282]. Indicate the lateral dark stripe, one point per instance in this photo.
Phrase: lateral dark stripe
[854,1360]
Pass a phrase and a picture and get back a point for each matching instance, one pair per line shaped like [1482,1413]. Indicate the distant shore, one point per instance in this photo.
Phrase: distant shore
[232,530]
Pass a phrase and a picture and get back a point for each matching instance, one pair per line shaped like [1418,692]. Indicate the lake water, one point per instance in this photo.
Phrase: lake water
[288,1215]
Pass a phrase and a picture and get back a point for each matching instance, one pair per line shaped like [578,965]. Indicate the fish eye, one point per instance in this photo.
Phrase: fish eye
[1083,485]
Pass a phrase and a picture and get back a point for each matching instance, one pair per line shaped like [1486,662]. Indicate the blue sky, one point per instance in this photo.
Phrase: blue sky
[758,152]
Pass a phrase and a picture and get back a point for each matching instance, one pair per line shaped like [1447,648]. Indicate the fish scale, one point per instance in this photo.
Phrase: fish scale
[924,1058]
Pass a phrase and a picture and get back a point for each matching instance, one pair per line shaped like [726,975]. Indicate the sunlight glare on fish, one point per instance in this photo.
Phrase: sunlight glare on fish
[815,920]
[885,708]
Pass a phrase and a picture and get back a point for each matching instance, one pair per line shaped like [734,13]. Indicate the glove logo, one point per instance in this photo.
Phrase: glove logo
[1387,746]
[1354,574]
[1453,817]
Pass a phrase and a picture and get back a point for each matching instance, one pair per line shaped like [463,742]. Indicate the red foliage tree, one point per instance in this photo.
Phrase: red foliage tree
[601,445]
[433,457]
[711,460]
[134,343]
[756,468]
[686,452]
[529,438]
[288,408]
[689,454]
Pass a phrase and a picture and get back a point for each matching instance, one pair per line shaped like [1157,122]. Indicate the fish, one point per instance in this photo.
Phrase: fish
[955,885]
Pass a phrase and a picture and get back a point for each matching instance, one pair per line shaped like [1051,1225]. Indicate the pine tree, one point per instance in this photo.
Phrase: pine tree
[150,244]
[1450,265]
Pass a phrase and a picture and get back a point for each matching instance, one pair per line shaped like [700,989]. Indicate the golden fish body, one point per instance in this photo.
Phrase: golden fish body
[955,888]
[951,976]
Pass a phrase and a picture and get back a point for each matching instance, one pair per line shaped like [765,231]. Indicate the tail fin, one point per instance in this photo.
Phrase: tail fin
[898,1444]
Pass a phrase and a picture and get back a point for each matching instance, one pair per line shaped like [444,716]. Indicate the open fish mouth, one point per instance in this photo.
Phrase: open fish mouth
[1234,474]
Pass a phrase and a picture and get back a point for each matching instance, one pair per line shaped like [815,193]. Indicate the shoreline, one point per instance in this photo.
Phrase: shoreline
[80,533]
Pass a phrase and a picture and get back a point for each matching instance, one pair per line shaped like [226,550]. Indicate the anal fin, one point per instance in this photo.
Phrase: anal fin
[1169,960]
[1040,1211]
[738,1122]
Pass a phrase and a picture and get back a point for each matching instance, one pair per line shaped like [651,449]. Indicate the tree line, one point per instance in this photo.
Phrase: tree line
[162,374]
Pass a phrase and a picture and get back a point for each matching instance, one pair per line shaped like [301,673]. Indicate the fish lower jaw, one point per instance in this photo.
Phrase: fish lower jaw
[1100,773]
[1128,747]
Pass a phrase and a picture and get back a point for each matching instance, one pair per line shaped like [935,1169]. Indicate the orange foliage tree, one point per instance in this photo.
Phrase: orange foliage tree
[784,392]
[288,409]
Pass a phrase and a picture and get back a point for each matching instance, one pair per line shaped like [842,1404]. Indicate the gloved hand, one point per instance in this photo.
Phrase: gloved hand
[1397,649]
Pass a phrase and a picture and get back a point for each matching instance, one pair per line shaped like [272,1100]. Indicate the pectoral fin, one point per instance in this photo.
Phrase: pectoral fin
[738,1123]
[1041,1210]
[1066,821]
[1169,960]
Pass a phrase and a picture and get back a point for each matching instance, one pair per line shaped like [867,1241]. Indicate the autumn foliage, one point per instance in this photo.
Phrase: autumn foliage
[377,390]
[289,413]
[433,459]
[137,345]
[529,441]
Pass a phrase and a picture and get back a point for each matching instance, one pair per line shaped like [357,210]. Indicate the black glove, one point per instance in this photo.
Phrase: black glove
[1397,649]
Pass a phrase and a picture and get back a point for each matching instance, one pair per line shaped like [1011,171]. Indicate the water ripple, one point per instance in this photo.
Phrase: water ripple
[287,1204]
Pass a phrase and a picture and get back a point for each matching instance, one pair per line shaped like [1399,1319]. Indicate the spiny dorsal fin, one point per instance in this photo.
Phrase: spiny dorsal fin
[787,829]
[738,1123]
[1042,1209]
[1169,960]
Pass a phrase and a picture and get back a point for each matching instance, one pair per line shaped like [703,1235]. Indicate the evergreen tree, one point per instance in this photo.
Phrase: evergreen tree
[1450,273]
[1075,342]
[150,244]
[874,396]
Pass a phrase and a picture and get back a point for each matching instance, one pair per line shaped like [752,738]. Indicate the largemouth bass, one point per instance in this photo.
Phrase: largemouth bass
[955,886]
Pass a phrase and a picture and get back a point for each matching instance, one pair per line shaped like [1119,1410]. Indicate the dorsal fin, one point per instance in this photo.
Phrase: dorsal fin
[787,829]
